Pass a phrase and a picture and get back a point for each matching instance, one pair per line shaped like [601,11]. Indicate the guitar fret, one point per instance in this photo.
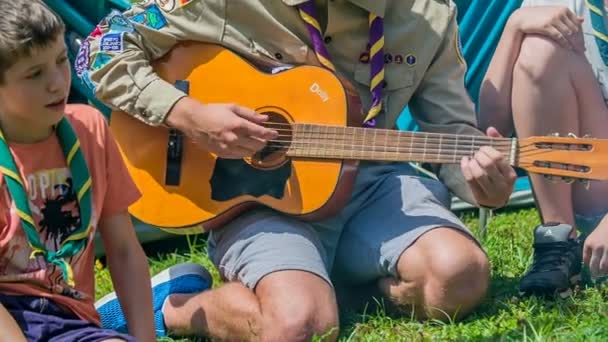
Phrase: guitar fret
[362,147]
[426,136]
[294,138]
[455,150]
[398,144]
[352,143]
[473,147]
[344,135]
[312,142]
[411,146]
[365,144]
[324,135]
[330,153]
[309,146]
[440,140]
[385,144]
[319,135]
[513,152]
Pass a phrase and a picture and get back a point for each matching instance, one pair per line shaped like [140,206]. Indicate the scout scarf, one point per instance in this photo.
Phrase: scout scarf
[597,12]
[77,240]
[376,54]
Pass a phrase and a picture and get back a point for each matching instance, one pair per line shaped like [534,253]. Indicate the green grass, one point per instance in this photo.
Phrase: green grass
[502,317]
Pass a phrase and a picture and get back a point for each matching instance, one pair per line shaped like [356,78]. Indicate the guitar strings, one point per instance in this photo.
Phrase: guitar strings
[303,147]
[399,134]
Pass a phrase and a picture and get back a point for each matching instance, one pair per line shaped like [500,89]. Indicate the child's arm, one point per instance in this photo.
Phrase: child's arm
[8,326]
[129,270]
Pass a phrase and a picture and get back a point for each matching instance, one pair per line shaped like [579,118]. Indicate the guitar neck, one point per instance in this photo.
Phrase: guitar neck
[335,142]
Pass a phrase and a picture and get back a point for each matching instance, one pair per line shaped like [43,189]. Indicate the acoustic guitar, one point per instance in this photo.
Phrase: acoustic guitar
[309,169]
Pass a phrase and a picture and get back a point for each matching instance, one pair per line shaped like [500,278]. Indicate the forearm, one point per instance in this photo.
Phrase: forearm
[495,92]
[131,280]
[9,328]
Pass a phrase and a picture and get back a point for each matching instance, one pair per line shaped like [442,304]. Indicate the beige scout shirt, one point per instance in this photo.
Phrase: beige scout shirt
[431,80]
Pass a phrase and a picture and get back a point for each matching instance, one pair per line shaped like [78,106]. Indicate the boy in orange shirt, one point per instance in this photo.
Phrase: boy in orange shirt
[61,179]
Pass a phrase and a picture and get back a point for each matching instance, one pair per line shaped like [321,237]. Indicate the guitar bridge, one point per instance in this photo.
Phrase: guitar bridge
[175,147]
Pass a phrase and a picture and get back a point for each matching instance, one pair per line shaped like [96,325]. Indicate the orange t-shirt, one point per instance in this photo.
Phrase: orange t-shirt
[51,198]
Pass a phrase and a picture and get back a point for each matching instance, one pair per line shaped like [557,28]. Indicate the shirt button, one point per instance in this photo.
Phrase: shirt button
[327,39]
[278,55]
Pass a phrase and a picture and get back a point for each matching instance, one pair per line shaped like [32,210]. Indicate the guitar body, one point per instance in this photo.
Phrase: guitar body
[212,191]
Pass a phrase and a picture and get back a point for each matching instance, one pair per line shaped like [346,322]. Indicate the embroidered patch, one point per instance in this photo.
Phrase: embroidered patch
[166,5]
[151,17]
[100,60]
[119,23]
[81,64]
[86,80]
[410,59]
[96,32]
[112,42]
[399,59]
[170,5]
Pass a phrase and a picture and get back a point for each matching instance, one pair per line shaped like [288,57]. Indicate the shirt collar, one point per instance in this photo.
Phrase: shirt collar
[373,6]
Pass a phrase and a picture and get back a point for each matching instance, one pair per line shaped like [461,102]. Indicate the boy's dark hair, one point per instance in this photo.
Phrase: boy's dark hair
[25,26]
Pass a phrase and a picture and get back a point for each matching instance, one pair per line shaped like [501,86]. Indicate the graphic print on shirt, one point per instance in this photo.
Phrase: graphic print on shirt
[56,213]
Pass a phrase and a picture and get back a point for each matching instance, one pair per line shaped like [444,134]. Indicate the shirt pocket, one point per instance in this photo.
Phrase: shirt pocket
[397,76]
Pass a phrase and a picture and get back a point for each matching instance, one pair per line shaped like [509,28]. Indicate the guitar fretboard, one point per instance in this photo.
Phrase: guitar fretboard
[336,142]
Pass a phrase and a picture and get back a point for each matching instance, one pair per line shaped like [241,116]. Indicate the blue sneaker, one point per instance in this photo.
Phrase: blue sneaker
[182,278]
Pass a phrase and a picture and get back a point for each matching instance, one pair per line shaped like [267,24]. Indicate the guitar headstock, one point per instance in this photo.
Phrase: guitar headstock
[566,157]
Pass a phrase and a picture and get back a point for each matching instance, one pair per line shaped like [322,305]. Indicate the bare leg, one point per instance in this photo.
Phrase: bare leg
[285,306]
[443,275]
[594,122]
[554,90]
[9,327]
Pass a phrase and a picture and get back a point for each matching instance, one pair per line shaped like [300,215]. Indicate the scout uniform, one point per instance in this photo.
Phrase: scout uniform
[414,57]
[424,67]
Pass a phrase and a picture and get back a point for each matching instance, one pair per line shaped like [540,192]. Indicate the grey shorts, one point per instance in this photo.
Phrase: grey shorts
[391,207]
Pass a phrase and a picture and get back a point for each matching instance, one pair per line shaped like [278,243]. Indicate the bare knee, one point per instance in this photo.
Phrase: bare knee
[297,307]
[452,278]
[540,59]
[457,282]
[300,320]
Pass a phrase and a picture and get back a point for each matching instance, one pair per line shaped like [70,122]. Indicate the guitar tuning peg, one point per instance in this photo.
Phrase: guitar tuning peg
[586,184]
[568,180]
[572,135]
[550,178]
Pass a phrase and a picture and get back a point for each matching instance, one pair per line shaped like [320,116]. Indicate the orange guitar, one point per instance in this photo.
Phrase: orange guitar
[308,170]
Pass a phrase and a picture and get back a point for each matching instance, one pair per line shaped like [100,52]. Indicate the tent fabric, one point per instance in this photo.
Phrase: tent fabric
[481,23]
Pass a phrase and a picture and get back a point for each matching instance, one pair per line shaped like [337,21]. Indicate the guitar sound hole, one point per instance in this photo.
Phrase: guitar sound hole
[274,154]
